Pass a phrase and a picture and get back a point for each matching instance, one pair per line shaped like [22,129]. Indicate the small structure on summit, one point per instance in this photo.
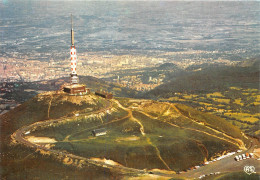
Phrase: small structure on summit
[99,132]
[74,88]
[103,94]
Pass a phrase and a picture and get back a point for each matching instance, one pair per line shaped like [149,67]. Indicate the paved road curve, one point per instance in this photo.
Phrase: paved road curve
[225,165]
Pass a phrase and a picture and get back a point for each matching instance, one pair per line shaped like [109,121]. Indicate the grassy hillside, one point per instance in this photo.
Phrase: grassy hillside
[154,137]
[20,162]
[46,106]
[209,79]
[211,120]
[231,92]
[142,134]
[237,105]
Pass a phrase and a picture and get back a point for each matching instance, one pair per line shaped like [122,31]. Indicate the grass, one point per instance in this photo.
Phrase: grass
[215,94]
[176,99]
[163,143]
[205,104]
[257,97]
[250,119]
[252,90]
[137,154]
[257,132]
[179,148]
[78,126]
[243,117]
[238,101]
[235,100]
[220,100]
[211,120]
[170,141]
[19,162]
[256,103]
[235,88]
[191,96]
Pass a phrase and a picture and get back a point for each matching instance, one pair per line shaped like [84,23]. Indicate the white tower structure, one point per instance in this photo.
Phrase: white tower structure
[74,88]
[73,58]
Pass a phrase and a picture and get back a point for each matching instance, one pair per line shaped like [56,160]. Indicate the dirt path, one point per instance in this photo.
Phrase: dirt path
[49,107]
[19,137]
[98,126]
[191,129]
[238,143]
[158,153]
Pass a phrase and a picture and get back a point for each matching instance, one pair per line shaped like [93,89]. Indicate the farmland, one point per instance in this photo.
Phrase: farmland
[240,106]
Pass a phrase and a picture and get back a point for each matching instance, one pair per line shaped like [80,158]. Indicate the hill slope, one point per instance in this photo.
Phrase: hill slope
[231,92]
[210,79]
[141,134]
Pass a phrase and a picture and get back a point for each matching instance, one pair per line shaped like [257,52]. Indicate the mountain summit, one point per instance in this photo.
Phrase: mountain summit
[139,134]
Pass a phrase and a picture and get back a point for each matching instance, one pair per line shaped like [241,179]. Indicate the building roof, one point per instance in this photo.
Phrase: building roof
[74,85]
[101,130]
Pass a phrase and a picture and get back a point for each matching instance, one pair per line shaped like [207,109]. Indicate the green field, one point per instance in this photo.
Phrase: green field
[166,133]
[141,134]
[240,106]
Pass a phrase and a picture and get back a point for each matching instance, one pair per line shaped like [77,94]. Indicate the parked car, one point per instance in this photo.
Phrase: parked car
[244,156]
[236,158]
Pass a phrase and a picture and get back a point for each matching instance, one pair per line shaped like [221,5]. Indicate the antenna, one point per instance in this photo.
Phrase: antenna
[72,32]
[71,21]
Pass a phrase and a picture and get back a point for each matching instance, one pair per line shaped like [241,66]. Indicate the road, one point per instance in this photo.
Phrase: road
[225,165]
[19,137]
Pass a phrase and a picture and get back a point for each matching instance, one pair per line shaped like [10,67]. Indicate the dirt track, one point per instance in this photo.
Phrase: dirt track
[224,165]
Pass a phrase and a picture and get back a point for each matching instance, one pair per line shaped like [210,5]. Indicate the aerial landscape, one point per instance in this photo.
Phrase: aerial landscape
[129,90]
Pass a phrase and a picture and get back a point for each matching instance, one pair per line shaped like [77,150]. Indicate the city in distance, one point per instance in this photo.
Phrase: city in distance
[166,90]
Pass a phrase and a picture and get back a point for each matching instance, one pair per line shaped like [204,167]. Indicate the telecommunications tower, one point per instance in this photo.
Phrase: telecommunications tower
[74,88]
[73,58]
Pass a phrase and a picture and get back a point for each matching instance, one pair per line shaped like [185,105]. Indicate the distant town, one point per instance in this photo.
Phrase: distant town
[23,69]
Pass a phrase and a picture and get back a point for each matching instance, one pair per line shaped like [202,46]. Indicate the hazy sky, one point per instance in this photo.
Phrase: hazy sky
[6,1]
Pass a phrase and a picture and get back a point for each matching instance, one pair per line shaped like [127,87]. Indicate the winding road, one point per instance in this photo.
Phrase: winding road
[225,165]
